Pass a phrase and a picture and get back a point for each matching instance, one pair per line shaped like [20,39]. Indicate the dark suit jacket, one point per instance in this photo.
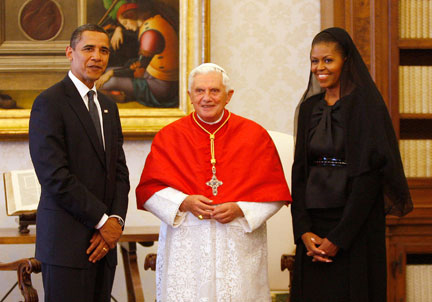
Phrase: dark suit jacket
[80,181]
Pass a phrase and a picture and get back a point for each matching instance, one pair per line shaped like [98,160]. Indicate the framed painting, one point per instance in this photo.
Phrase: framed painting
[150,90]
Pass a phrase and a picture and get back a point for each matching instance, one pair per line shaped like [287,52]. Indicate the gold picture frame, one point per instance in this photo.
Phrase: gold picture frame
[28,67]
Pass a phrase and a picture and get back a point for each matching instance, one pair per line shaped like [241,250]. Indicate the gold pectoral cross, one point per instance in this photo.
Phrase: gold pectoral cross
[214,183]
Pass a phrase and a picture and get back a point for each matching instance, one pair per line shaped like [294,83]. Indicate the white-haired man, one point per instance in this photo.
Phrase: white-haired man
[213,178]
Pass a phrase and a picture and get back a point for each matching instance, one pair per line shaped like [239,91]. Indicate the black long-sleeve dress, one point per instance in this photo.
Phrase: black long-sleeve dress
[347,175]
[349,211]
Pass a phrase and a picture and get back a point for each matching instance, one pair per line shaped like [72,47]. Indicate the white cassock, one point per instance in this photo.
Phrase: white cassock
[206,261]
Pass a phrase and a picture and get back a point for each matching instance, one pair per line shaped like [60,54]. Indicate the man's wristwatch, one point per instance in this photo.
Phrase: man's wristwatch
[120,221]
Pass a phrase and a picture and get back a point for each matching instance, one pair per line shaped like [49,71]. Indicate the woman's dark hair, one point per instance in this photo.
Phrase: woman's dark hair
[325,37]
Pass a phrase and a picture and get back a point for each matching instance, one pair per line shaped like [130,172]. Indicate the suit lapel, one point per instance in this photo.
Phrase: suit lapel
[78,106]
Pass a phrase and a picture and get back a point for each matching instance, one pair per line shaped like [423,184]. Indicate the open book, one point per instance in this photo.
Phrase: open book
[22,191]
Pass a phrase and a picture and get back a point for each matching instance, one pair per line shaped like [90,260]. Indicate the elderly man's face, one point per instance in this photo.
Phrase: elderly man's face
[208,96]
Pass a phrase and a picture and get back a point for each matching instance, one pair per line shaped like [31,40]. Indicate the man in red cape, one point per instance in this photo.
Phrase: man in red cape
[213,178]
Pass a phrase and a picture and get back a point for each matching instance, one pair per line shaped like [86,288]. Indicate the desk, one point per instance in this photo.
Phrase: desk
[145,235]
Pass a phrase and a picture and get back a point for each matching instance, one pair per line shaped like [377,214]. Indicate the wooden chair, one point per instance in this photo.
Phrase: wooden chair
[150,262]
[24,268]
[285,146]
[287,263]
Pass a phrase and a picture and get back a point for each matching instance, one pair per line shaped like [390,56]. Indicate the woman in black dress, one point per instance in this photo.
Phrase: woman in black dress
[347,175]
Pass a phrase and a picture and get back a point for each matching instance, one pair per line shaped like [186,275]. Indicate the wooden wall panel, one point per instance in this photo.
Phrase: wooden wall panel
[367,22]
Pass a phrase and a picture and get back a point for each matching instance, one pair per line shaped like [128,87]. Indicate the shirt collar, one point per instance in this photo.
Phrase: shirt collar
[211,123]
[80,86]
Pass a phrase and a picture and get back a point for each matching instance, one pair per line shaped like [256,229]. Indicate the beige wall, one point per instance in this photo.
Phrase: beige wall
[264,46]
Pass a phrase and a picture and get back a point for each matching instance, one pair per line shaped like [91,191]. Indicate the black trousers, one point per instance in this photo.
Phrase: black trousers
[68,284]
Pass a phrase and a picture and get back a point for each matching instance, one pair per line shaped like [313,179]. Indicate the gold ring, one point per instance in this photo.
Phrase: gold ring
[104,249]
[200,217]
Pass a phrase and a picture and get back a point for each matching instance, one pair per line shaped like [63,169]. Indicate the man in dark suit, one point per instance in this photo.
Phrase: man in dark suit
[76,145]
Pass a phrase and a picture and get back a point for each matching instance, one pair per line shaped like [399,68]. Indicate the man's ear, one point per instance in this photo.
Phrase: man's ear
[69,51]
[230,94]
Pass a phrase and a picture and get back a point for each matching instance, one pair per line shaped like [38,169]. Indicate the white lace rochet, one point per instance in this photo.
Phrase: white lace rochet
[206,261]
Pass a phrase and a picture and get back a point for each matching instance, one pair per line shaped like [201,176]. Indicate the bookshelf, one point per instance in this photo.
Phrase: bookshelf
[404,43]
[413,58]
[383,32]
[414,43]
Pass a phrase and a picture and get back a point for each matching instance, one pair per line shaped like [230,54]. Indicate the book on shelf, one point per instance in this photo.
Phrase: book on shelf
[416,157]
[417,89]
[412,21]
[428,158]
[411,89]
[402,89]
[407,89]
[415,93]
[429,13]
[420,148]
[403,18]
[419,18]
[426,18]
[429,88]
[425,85]
[415,19]
[412,155]
[22,192]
